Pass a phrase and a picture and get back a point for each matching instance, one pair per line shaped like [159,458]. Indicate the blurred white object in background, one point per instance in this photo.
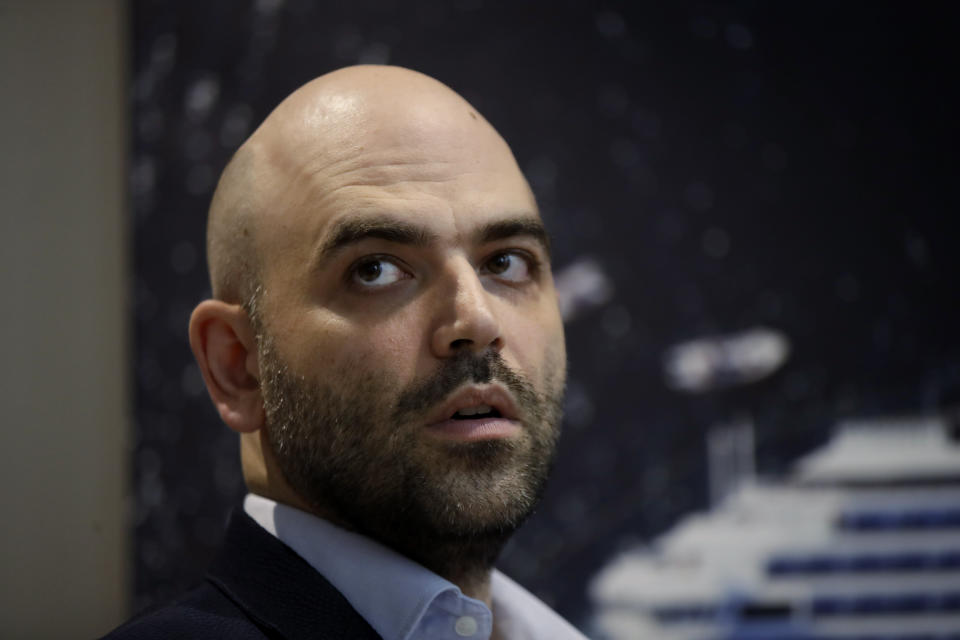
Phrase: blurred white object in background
[730,457]
[581,285]
[724,361]
[862,541]
[892,450]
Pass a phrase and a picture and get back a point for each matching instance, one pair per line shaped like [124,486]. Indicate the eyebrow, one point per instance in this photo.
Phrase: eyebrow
[511,227]
[350,232]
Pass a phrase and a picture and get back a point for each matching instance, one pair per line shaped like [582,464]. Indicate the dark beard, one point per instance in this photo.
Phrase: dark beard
[351,452]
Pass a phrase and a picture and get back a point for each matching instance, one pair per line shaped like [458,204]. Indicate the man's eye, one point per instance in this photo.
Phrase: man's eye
[376,272]
[509,266]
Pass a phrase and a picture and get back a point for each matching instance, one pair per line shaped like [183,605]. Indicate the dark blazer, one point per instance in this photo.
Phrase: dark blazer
[256,588]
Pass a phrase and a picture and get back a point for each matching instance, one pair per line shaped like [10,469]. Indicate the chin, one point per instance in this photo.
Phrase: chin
[479,501]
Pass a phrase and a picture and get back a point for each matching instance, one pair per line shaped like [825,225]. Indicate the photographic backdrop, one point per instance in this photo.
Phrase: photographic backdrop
[718,166]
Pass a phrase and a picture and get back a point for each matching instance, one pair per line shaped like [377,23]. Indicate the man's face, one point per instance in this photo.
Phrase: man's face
[406,286]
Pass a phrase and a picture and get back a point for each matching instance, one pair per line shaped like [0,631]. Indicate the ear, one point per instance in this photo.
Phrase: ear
[223,342]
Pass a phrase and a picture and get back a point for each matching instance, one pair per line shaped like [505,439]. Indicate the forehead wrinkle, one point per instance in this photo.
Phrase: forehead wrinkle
[381,169]
[323,182]
[393,175]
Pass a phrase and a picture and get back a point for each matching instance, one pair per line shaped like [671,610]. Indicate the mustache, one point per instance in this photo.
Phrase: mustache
[464,368]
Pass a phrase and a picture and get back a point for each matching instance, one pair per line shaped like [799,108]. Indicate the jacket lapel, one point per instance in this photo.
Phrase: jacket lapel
[283,594]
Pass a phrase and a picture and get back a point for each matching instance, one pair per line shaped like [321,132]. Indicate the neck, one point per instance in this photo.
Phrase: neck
[466,561]
[477,587]
[262,474]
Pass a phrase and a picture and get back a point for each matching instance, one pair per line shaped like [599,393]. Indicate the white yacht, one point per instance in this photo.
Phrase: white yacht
[860,542]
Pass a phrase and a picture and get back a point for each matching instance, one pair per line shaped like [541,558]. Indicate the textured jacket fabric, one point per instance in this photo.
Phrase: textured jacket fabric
[257,587]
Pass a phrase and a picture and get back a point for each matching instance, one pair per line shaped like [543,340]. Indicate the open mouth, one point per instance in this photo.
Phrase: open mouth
[476,413]
[475,404]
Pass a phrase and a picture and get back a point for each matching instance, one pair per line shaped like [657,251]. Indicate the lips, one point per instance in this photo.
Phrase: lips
[474,413]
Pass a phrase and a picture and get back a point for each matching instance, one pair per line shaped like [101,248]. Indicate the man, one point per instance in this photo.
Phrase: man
[384,334]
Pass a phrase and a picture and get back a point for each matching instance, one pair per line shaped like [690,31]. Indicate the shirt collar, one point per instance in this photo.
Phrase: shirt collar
[395,595]
[399,598]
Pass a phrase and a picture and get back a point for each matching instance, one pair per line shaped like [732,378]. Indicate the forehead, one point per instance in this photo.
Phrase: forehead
[450,179]
[453,189]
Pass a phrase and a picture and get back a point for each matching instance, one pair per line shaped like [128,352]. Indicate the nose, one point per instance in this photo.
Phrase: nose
[465,319]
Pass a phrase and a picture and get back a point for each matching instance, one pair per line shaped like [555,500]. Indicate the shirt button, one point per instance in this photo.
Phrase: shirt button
[466,626]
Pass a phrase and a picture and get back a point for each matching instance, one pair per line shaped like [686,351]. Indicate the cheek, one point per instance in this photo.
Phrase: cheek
[538,344]
[388,349]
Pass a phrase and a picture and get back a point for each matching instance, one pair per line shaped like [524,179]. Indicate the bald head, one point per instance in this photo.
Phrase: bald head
[342,122]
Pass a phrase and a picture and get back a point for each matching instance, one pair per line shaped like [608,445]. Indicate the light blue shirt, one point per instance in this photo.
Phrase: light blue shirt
[400,599]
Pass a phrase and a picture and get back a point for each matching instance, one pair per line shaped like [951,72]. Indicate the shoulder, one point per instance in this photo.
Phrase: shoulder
[204,612]
[257,587]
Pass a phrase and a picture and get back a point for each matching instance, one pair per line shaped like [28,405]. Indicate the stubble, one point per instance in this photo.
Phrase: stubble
[353,445]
